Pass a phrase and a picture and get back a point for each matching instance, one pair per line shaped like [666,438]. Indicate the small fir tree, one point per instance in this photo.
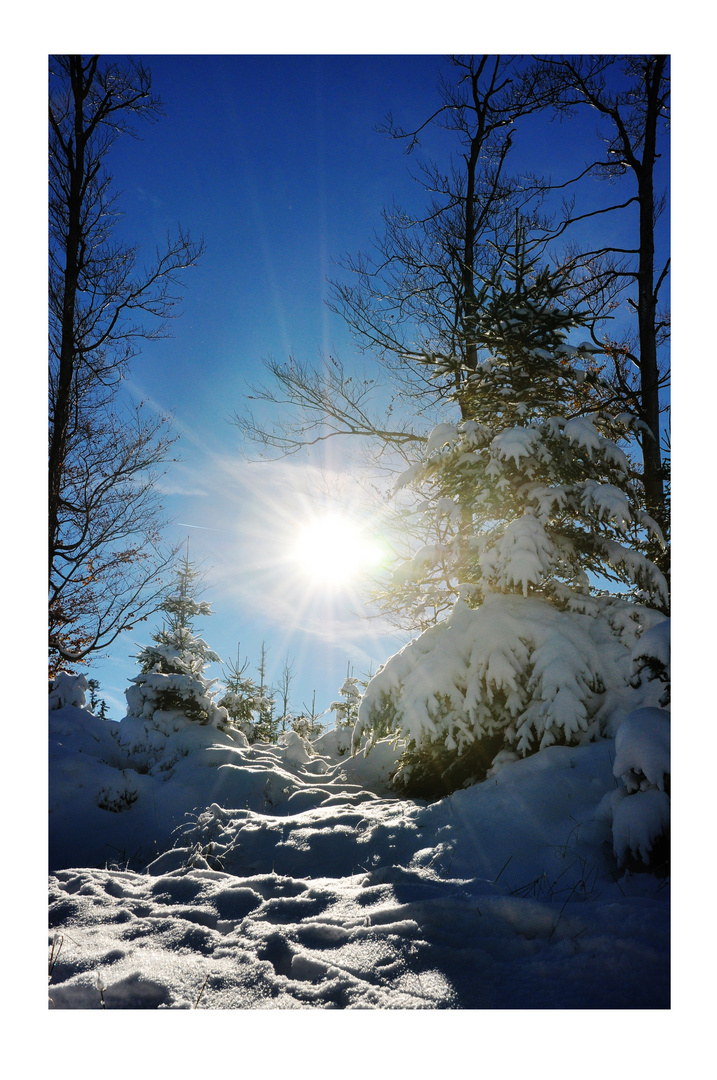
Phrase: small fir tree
[248,703]
[267,724]
[241,696]
[172,668]
[346,707]
[306,724]
[97,705]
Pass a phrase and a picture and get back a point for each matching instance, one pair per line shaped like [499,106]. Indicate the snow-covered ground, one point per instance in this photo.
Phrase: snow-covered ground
[295,880]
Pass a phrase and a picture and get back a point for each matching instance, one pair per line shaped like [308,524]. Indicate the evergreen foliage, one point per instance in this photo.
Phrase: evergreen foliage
[240,697]
[173,666]
[523,497]
[346,707]
[250,709]
[97,705]
[308,727]
[540,534]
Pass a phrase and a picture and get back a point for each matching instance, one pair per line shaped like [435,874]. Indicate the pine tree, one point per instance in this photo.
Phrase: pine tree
[267,726]
[93,686]
[173,667]
[241,696]
[541,537]
[307,723]
[523,497]
[346,707]
[97,704]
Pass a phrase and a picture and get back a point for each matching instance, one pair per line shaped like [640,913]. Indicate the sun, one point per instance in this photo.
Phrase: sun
[334,550]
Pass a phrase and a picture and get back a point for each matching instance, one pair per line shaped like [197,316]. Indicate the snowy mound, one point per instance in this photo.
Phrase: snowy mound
[492,898]
[192,869]
[118,791]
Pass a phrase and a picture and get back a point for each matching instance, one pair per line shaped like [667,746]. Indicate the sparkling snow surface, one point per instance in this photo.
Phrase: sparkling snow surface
[296,881]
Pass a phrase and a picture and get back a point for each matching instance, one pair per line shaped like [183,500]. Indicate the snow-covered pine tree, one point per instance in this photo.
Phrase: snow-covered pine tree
[266,728]
[241,696]
[267,724]
[525,496]
[172,678]
[540,530]
[345,708]
[249,704]
[306,724]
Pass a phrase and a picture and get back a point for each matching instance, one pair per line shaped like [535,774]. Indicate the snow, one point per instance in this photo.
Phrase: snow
[582,432]
[642,746]
[607,502]
[192,870]
[653,645]
[516,443]
[514,664]
[440,435]
[68,690]
[638,822]
[522,555]
[408,476]
[428,555]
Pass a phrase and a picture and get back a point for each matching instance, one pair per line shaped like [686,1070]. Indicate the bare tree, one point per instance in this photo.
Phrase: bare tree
[322,402]
[414,296]
[104,550]
[630,95]
[418,301]
[107,566]
[283,690]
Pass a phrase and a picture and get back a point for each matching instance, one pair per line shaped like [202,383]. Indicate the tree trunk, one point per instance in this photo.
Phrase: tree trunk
[63,392]
[647,303]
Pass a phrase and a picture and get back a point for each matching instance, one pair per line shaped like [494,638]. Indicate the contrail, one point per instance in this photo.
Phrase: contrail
[206,528]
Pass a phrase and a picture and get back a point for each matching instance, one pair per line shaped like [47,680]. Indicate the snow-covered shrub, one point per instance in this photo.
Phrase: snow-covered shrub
[295,748]
[640,806]
[345,708]
[249,707]
[503,680]
[241,700]
[118,795]
[307,727]
[651,665]
[170,693]
[68,689]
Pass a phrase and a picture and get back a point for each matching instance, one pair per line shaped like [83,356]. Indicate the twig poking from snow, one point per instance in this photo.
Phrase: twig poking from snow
[495,880]
[56,941]
[196,1003]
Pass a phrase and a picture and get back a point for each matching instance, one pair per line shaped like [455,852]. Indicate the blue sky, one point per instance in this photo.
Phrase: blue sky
[276,162]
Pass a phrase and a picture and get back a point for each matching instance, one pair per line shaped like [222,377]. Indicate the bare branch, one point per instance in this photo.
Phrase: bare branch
[104,516]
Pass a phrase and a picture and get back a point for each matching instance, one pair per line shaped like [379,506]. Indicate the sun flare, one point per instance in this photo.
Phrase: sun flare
[334,550]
